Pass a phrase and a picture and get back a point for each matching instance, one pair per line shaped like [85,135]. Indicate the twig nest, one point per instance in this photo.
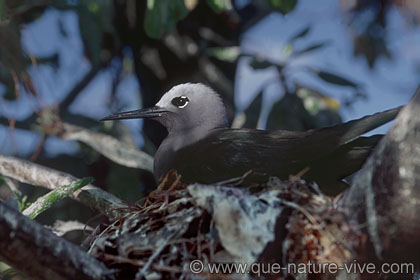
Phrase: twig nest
[184,231]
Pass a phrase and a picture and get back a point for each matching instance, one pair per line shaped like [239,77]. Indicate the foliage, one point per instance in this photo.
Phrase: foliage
[11,274]
[21,200]
[211,30]
[283,6]
[161,43]
[219,5]
[162,16]
[23,203]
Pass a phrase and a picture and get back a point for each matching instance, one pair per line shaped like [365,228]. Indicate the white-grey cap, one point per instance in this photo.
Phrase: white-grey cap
[189,112]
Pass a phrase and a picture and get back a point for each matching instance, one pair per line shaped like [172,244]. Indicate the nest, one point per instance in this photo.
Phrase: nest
[180,229]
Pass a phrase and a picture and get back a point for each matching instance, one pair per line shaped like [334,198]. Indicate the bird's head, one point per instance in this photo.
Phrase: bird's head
[184,107]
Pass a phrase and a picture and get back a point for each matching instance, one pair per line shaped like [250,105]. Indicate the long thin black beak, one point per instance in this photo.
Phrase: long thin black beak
[152,112]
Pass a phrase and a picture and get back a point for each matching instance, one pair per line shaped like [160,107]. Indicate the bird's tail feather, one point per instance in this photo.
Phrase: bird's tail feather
[353,129]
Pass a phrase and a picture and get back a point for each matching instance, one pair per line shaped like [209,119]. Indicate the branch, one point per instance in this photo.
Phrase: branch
[45,202]
[71,96]
[386,192]
[285,223]
[38,252]
[117,151]
[25,124]
[37,175]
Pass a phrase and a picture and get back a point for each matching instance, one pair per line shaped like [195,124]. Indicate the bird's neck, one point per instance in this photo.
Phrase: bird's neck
[179,139]
[165,155]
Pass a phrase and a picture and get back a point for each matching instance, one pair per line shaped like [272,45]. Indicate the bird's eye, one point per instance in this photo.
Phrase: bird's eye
[180,101]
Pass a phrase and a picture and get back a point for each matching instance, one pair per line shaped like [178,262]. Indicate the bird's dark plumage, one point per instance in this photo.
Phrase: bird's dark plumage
[202,148]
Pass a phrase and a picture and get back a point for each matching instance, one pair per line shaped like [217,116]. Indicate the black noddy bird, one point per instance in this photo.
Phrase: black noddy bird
[202,148]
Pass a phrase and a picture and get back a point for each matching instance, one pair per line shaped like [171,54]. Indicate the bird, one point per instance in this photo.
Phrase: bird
[202,148]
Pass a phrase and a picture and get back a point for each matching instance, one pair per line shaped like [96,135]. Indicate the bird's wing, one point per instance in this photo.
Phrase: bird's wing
[228,153]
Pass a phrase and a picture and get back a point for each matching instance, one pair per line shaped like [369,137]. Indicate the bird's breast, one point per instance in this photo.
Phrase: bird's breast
[165,157]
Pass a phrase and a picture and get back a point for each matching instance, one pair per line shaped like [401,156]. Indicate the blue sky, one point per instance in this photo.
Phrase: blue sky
[389,84]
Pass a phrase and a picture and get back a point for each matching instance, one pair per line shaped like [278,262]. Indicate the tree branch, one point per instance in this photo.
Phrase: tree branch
[46,201]
[38,252]
[37,175]
[117,151]
[386,193]
[71,96]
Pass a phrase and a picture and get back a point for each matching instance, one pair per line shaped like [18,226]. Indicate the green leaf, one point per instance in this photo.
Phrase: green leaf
[302,33]
[95,20]
[252,113]
[162,15]
[2,9]
[283,6]
[219,6]
[22,204]
[229,54]
[323,109]
[289,113]
[260,63]
[21,201]
[311,48]
[45,202]
[334,79]
[316,99]
[10,273]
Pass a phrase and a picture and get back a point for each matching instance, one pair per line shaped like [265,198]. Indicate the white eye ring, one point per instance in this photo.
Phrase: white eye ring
[183,106]
[180,101]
